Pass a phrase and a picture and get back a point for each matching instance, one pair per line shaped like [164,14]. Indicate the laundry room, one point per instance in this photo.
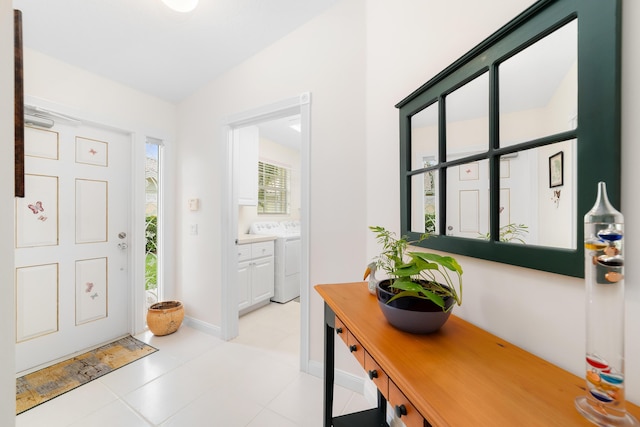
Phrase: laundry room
[269,200]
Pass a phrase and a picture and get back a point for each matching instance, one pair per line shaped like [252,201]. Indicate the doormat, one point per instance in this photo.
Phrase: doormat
[40,386]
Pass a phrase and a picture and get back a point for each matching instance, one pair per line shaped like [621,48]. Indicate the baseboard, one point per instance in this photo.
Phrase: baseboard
[341,378]
[370,392]
[205,327]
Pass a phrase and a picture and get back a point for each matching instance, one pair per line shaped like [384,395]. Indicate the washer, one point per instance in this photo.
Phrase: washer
[286,257]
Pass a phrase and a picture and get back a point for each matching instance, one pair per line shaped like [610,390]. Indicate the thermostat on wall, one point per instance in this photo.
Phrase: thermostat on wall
[194,204]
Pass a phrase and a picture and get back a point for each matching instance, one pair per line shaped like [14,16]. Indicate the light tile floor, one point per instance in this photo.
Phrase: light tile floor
[199,380]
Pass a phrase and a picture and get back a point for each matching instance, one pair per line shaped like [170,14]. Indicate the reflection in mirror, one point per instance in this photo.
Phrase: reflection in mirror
[544,159]
[424,200]
[468,199]
[467,113]
[538,196]
[424,136]
[539,88]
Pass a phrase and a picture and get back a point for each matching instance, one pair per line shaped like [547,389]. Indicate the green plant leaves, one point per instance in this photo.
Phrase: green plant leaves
[420,274]
[445,261]
[412,288]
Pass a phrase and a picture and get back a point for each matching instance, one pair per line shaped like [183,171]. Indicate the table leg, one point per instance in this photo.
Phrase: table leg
[329,365]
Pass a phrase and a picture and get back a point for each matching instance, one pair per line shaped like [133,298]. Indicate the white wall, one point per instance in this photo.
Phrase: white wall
[324,57]
[7,310]
[541,312]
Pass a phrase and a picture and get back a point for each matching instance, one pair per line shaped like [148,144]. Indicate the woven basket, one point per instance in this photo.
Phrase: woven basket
[165,317]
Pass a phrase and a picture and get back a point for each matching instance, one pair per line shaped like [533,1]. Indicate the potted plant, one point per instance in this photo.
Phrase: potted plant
[509,233]
[421,288]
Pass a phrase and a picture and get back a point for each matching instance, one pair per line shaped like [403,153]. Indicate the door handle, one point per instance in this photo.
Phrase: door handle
[122,246]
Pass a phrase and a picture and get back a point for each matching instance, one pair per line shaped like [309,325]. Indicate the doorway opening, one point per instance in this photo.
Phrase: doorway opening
[236,224]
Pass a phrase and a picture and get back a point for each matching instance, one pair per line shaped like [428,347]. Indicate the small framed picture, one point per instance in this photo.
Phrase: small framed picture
[556,170]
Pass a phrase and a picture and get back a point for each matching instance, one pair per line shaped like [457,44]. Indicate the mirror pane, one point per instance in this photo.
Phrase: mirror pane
[538,196]
[424,201]
[539,88]
[424,136]
[468,200]
[467,113]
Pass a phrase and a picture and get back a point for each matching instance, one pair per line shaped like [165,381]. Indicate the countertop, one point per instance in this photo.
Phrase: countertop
[245,239]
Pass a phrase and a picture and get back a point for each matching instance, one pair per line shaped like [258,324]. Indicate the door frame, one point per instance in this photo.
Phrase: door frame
[300,104]
[136,302]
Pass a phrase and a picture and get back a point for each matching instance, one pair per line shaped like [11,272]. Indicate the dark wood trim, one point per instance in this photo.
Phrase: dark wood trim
[19,104]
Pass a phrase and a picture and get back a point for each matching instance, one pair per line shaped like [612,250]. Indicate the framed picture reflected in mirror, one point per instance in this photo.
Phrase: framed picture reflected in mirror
[556,170]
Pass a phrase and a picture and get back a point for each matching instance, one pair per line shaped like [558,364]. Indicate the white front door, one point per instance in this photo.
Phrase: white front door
[72,284]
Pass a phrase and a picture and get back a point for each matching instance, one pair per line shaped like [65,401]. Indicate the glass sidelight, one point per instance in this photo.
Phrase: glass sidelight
[153,257]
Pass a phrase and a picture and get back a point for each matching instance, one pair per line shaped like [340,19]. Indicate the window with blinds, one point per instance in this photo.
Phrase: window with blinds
[273,189]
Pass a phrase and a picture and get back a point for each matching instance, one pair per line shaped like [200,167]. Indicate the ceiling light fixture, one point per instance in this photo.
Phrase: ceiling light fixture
[181,5]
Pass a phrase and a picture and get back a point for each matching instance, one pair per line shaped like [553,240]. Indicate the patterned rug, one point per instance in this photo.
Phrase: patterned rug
[38,387]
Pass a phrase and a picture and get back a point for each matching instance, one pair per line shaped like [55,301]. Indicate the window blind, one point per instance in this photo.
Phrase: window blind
[273,189]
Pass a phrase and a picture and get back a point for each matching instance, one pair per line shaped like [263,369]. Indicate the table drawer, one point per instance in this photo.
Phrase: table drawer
[377,375]
[342,331]
[403,408]
[356,348]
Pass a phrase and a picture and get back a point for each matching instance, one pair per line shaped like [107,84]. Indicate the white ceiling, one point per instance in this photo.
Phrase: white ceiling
[145,45]
[280,131]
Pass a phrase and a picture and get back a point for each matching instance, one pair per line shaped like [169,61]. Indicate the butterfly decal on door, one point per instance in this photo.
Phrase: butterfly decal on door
[36,208]
[556,197]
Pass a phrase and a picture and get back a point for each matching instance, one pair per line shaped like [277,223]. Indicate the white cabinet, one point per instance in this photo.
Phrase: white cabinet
[246,146]
[255,274]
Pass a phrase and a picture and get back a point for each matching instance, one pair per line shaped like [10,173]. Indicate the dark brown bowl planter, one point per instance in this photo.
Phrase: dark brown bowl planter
[165,317]
[411,314]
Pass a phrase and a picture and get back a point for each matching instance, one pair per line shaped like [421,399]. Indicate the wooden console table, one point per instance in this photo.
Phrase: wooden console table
[460,376]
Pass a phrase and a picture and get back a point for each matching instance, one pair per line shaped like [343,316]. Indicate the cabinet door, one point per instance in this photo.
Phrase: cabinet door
[244,284]
[246,146]
[262,279]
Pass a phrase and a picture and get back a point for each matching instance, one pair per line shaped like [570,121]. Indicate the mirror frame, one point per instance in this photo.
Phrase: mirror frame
[599,35]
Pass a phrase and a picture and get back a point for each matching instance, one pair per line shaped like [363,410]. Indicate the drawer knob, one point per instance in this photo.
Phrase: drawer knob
[401,410]
[353,348]
[339,331]
[373,374]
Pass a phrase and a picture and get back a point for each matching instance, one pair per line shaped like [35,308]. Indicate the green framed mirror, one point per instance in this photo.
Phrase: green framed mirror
[501,152]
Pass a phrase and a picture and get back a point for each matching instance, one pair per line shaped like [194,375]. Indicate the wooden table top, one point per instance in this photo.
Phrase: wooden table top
[462,375]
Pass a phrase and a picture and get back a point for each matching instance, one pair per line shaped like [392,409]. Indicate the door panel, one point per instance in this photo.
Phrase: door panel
[72,283]
[37,301]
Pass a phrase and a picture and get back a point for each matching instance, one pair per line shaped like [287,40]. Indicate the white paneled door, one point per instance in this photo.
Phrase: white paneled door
[71,236]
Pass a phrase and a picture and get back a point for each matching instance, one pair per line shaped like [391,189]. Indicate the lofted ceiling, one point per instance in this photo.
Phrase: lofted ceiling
[145,45]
